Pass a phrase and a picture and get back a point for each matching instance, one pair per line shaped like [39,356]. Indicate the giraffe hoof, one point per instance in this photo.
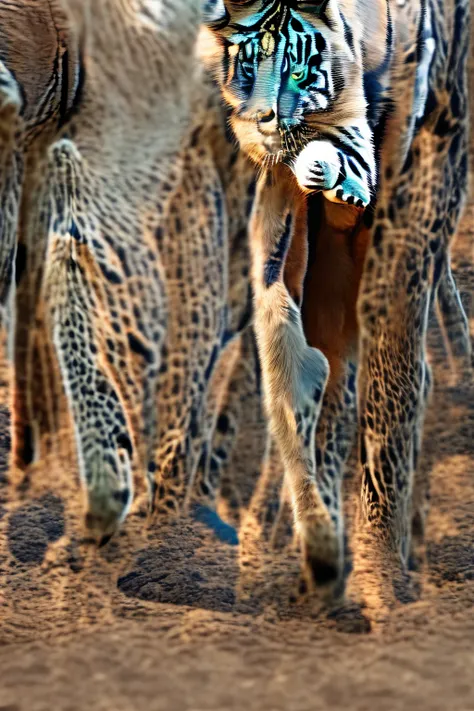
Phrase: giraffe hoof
[322,572]
[104,515]
[101,528]
[321,552]
[104,540]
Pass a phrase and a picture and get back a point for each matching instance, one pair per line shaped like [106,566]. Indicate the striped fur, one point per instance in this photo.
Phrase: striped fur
[293,75]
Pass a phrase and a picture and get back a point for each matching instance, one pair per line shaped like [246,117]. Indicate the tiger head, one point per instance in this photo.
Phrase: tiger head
[287,69]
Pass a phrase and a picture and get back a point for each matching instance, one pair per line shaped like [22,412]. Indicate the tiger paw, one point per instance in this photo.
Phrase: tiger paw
[317,166]
[322,167]
[352,190]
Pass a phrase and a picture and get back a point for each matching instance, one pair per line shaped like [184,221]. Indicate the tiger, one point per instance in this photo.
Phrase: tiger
[314,117]
[355,112]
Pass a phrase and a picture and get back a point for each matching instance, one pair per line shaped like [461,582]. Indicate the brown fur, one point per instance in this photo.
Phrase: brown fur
[332,283]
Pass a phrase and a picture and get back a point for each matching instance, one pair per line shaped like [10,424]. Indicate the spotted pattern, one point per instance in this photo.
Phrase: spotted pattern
[126,292]
[132,259]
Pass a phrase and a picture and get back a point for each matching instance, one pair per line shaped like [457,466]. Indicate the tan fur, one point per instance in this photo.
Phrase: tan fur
[126,227]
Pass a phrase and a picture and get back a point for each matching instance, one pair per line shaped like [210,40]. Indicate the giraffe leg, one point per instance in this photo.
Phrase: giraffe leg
[421,485]
[419,202]
[229,469]
[391,402]
[11,178]
[222,420]
[334,438]
[37,389]
[294,375]
[103,437]
[77,320]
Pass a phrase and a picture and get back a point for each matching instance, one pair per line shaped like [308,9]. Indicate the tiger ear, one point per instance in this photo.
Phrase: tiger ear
[214,13]
[326,10]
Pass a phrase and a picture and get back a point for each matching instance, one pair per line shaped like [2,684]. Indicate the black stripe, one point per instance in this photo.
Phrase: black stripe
[310,43]
[350,150]
[274,264]
[420,40]
[50,92]
[354,167]
[67,113]
[348,36]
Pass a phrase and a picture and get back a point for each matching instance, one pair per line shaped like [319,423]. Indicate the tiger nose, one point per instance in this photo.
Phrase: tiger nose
[266,116]
[266,120]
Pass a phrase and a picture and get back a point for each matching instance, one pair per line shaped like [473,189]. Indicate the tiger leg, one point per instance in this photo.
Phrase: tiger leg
[294,375]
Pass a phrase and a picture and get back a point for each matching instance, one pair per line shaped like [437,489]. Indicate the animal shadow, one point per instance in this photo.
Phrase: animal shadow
[195,565]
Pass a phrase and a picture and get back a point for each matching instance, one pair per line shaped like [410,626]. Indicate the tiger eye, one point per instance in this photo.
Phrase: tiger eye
[297,76]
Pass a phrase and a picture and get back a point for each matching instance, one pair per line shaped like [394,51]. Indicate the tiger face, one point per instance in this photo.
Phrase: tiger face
[287,69]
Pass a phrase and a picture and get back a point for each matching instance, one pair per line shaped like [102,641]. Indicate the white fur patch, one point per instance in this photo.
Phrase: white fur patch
[317,166]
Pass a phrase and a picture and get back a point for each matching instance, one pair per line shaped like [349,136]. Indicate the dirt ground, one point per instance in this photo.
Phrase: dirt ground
[178,617]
